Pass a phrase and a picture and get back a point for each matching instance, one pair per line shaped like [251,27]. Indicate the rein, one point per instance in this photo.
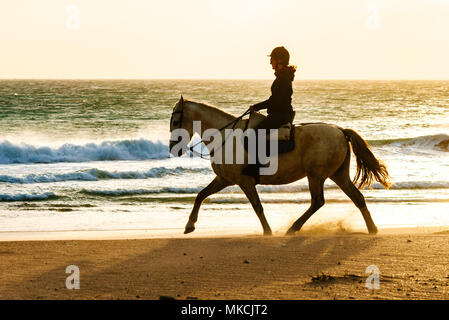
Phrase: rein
[233,122]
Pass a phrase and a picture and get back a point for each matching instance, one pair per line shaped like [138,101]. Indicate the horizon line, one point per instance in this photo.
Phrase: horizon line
[243,79]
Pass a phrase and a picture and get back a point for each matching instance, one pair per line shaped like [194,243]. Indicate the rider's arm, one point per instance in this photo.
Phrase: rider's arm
[281,93]
[262,105]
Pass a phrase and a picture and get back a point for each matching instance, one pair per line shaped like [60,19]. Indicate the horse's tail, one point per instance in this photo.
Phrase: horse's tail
[368,167]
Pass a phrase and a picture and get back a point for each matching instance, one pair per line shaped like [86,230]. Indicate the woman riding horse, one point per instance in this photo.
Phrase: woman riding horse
[321,151]
[279,105]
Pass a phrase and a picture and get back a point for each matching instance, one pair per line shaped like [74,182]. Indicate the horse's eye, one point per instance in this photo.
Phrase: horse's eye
[175,123]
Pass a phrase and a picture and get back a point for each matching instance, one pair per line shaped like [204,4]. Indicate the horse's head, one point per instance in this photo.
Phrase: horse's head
[180,129]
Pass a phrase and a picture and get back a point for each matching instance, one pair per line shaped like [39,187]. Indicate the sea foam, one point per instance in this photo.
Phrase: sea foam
[140,149]
[439,142]
[28,197]
[97,174]
[405,185]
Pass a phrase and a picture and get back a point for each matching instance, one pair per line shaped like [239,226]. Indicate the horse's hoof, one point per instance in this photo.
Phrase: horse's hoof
[290,232]
[189,229]
[373,231]
[267,233]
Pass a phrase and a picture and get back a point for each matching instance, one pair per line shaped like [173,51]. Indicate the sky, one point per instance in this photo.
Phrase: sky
[223,39]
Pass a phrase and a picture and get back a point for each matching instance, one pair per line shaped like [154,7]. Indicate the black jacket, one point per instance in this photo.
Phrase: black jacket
[279,105]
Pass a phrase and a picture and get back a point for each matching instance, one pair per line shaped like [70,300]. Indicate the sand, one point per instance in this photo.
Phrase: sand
[316,265]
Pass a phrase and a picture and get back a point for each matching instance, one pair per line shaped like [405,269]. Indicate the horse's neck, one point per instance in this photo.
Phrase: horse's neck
[209,117]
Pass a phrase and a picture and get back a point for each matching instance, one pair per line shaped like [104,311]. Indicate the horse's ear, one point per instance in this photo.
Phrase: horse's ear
[181,100]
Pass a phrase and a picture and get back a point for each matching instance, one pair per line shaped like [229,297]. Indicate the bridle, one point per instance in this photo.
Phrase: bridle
[233,122]
[180,120]
[178,112]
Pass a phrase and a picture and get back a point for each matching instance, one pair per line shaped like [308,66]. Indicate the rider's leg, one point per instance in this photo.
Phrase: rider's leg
[253,169]
[270,122]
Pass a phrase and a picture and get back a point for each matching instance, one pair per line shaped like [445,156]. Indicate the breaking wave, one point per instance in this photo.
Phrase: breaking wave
[97,174]
[28,197]
[140,149]
[439,142]
[192,191]
[132,192]
[407,185]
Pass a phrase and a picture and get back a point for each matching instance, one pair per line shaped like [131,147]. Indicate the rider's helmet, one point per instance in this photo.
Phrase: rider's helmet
[280,53]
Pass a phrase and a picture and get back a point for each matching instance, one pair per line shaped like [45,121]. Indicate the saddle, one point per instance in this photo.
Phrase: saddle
[286,134]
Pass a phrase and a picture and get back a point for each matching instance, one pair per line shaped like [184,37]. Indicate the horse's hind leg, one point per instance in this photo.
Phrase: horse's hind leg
[342,179]
[253,197]
[317,193]
[215,186]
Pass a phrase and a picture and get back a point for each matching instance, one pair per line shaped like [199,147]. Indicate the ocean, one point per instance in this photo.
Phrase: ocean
[92,155]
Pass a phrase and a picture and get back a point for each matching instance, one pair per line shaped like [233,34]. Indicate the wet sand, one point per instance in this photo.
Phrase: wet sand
[313,265]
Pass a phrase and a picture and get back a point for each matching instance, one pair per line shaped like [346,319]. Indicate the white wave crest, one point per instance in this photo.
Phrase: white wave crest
[131,192]
[140,149]
[28,197]
[406,185]
[97,174]
[439,142]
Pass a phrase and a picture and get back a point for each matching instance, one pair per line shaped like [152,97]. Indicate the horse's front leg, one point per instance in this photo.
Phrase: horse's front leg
[215,186]
[251,193]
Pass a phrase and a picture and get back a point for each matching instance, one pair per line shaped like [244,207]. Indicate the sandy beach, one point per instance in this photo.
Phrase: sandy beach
[312,265]
[124,124]
[101,191]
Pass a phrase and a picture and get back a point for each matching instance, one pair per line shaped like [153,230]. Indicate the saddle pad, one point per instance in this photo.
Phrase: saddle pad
[283,132]
[284,146]
[255,118]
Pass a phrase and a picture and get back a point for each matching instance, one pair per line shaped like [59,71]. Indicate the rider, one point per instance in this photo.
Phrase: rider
[279,108]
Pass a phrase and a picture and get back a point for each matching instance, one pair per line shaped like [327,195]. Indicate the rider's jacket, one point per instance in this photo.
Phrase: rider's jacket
[279,105]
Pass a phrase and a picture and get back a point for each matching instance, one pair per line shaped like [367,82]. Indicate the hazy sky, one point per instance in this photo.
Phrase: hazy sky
[327,39]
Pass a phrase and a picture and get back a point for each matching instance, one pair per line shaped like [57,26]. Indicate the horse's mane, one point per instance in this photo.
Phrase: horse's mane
[211,107]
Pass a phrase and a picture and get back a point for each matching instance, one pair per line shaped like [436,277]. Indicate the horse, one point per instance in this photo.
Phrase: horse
[321,151]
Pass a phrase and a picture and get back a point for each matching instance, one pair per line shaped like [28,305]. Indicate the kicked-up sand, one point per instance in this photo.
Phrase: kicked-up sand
[312,265]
